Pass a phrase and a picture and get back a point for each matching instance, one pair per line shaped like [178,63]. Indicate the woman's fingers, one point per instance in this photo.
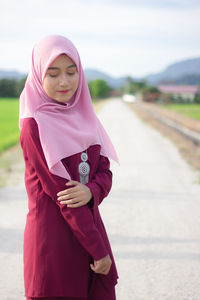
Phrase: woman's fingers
[76,196]
[103,265]
[92,267]
[67,191]
[69,202]
[67,196]
[100,270]
[70,190]
[76,202]
[72,182]
[72,197]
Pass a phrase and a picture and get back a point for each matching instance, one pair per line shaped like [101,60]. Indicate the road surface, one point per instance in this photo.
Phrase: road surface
[152,216]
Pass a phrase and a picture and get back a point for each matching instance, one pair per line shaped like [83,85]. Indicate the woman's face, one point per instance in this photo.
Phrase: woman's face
[61,79]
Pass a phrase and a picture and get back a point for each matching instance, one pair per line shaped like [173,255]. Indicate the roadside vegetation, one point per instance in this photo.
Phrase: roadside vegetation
[9,115]
[11,157]
[191,110]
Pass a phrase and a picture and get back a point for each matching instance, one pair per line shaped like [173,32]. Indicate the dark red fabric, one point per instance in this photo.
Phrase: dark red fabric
[101,291]
[54,298]
[61,242]
[98,291]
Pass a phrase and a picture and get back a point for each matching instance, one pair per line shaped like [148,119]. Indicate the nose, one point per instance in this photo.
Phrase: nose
[64,80]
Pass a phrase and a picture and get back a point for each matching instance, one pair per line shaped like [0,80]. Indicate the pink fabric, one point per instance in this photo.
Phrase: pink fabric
[64,129]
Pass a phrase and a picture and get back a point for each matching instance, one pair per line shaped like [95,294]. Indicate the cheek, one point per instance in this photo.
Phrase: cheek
[76,81]
[48,86]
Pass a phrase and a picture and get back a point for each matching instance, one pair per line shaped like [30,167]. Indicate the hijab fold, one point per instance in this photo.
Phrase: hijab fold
[64,128]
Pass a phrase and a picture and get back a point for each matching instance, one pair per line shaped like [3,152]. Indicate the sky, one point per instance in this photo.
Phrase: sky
[122,38]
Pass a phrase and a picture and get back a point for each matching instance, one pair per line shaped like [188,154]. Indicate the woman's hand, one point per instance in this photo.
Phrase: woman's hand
[102,266]
[76,196]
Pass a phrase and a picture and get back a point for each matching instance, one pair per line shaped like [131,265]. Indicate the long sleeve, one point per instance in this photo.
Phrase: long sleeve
[79,219]
[101,183]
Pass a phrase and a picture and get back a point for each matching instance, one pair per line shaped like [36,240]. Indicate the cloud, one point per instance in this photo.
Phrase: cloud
[135,37]
[170,4]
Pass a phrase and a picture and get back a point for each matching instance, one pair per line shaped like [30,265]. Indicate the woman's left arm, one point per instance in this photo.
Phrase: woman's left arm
[101,183]
[94,191]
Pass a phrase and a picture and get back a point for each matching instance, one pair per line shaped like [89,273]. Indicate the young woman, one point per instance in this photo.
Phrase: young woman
[67,254]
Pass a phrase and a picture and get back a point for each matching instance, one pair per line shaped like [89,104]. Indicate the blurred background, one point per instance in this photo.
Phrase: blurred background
[142,63]
[129,47]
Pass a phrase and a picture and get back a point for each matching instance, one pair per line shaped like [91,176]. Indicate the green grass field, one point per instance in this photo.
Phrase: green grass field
[9,116]
[190,110]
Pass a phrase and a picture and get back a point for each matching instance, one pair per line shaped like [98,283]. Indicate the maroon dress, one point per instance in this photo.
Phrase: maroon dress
[61,242]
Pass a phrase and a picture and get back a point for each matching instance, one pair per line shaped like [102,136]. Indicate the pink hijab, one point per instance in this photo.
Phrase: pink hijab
[64,129]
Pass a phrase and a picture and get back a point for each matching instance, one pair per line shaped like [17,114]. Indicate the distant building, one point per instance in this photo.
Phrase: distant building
[115,93]
[185,92]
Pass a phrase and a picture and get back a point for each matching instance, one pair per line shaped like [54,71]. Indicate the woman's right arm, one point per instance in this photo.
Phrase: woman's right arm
[80,219]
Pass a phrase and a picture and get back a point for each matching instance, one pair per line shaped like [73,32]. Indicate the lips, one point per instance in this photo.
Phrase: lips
[64,91]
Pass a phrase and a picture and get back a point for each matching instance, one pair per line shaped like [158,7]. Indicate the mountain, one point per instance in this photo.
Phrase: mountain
[188,79]
[185,71]
[11,74]
[176,71]
[92,74]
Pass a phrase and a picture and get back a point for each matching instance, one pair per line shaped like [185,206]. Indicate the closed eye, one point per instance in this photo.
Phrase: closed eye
[70,74]
[53,75]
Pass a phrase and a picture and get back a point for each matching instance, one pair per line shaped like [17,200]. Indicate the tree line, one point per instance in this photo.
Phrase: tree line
[150,93]
[12,88]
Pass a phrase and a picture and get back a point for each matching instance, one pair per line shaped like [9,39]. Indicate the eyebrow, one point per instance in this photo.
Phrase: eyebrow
[56,68]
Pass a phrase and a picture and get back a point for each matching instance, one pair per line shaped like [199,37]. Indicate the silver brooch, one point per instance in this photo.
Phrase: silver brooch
[84,168]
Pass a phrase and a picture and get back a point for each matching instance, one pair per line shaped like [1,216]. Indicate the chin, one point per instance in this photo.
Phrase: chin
[62,100]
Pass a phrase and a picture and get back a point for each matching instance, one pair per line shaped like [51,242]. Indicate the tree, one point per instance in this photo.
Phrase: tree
[197,98]
[20,85]
[11,87]
[127,85]
[98,88]
[8,87]
[137,86]
[150,93]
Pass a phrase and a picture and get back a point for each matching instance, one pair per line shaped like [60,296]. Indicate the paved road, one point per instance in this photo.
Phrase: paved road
[152,216]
